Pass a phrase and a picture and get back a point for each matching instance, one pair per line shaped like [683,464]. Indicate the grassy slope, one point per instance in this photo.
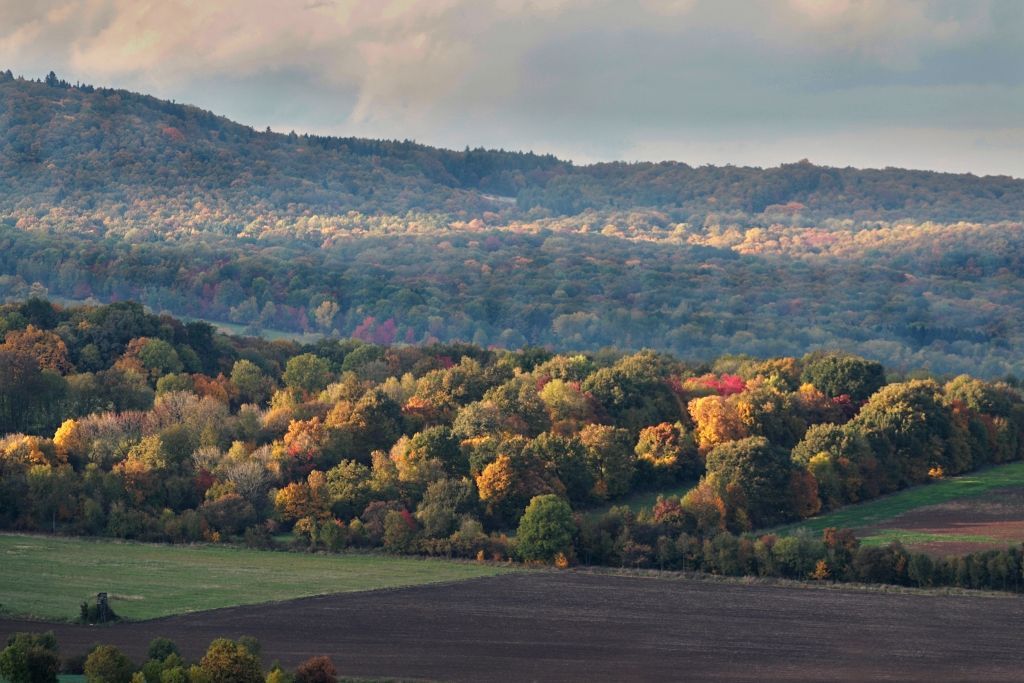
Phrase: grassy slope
[882,509]
[642,500]
[48,577]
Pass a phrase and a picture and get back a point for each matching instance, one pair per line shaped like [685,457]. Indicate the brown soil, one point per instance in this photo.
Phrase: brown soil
[563,626]
[998,514]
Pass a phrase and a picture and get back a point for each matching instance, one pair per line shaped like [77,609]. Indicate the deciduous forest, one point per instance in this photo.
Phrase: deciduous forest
[107,195]
[128,424]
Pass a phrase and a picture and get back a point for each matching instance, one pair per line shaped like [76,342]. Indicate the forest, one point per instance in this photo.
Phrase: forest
[107,195]
[133,425]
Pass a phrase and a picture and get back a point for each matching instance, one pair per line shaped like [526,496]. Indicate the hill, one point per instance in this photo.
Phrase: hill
[112,195]
[79,146]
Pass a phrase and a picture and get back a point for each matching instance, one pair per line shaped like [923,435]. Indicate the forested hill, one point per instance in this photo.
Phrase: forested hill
[105,152]
[110,196]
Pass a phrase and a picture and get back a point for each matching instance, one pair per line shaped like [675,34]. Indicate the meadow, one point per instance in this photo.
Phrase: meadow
[48,577]
[950,518]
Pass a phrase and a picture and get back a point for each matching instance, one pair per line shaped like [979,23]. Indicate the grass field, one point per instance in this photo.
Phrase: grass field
[877,512]
[911,538]
[642,500]
[48,577]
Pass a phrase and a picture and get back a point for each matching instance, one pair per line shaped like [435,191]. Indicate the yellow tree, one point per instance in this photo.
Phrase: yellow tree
[716,420]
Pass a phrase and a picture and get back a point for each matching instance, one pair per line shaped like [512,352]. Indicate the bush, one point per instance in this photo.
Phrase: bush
[316,670]
[30,658]
[90,614]
[226,661]
[107,664]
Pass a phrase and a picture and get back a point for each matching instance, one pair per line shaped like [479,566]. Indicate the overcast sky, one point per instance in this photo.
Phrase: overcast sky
[921,84]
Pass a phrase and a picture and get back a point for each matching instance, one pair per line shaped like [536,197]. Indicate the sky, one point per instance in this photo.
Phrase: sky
[935,84]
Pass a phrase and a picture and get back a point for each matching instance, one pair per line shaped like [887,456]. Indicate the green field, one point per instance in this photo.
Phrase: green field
[642,500]
[909,537]
[880,510]
[48,577]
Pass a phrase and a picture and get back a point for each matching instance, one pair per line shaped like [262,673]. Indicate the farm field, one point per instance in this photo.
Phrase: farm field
[48,577]
[978,511]
[579,625]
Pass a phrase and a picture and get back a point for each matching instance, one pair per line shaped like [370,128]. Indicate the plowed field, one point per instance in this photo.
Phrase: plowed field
[559,626]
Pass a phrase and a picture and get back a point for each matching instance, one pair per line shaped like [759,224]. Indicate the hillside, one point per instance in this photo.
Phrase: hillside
[112,195]
[78,147]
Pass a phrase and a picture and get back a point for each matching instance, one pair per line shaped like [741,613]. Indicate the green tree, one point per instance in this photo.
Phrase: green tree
[161,648]
[754,475]
[307,373]
[30,658]
[441,504]
[546,529]
[253,386]
[611,455]
[159,358]
[911,432]
[836,374]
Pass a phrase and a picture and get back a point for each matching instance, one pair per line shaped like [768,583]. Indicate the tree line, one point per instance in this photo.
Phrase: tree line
[35,658]
[132,425]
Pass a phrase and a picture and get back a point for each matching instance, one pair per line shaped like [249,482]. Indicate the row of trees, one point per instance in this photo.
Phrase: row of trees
[35,658]
[440,450]
[675,536]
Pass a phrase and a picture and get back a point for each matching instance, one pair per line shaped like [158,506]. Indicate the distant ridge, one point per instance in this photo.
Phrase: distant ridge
[89,149]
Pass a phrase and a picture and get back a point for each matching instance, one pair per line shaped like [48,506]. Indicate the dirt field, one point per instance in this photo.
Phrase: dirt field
[993,520]
[557,626]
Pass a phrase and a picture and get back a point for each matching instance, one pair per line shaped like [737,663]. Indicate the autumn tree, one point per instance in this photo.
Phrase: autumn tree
[717,421]
[705,506]
[107,664]
[227,661]
[668,451]
[46,347]
[350,487]
[567,405]
[316,670]
[634,392]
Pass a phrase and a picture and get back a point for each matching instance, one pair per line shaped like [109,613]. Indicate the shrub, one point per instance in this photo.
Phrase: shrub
[107,664]
[316,670]
[30,658]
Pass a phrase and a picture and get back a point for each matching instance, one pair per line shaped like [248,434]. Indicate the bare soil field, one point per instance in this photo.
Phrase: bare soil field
[993,520]
[577,625]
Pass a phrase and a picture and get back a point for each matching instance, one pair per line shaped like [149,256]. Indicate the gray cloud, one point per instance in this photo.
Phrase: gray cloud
[867,82]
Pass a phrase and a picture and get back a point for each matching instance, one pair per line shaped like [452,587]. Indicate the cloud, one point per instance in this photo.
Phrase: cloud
[587,78]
